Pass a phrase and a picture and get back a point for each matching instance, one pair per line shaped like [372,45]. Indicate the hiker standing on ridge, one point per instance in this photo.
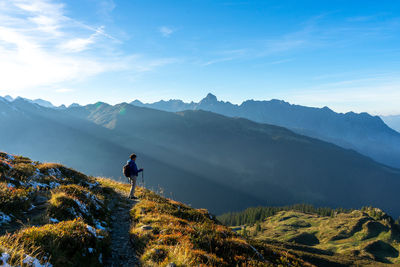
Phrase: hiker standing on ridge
[134,172]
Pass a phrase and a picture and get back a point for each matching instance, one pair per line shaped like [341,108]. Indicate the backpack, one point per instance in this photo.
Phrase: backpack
[126,170]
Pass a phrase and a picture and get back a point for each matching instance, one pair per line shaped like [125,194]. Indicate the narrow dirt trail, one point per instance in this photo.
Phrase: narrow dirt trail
[123,253]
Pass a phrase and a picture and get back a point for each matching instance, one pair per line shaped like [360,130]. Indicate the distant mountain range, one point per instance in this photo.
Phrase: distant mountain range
[206,159]
[364,133]
[40,102]
[392,121]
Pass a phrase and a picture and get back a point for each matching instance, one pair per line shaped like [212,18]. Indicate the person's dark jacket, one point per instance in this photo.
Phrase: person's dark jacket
[133,168]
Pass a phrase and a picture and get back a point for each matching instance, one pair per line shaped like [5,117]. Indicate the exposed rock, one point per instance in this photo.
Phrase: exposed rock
[146,227]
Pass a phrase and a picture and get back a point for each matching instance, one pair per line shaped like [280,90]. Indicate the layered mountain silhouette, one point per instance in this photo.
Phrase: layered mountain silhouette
[364,133]
[208,160]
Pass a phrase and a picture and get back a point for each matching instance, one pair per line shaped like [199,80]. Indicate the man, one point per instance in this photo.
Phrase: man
[134,174]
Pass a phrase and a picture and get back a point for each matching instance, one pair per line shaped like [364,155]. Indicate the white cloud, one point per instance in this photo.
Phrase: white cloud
[41,46]
[166,31]
[81,44]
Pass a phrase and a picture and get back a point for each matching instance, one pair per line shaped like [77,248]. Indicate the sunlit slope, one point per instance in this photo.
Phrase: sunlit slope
[367,234]
[51,215]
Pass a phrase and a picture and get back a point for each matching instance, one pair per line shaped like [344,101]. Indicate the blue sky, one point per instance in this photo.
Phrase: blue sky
[341,54]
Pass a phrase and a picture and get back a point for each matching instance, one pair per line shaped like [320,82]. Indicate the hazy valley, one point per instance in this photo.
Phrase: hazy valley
[237,162]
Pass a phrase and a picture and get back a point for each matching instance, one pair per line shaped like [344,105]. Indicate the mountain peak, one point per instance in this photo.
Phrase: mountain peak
[74,105]
[210,98]
[8,98]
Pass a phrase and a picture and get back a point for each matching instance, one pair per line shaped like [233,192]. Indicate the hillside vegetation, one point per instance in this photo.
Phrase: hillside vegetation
[51,215]
[256,214]
[348,237]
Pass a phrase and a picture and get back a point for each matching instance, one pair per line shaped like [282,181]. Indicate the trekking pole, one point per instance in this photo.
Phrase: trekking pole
[143,178]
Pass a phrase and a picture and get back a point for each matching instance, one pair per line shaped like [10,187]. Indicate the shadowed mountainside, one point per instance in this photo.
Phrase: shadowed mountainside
[205,159]
[366,134]
[268,162]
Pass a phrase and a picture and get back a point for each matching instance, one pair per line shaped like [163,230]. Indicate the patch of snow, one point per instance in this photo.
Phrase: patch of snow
[10,157]
[91,230]
[82,206]
[4,258]
[54,185]
[37,173]
[4,218]
[95,200]
[99,226]
[34,184]
[53,220]
[31,261]
[54,172]
[91,186]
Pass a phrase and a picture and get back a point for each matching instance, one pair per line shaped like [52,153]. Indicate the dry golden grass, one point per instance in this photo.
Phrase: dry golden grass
[66,243]
[48,165]
[108,183]
[166,231]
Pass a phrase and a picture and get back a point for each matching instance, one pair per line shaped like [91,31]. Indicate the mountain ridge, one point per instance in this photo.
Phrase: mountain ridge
[367,134]
[242,162]
[177,127]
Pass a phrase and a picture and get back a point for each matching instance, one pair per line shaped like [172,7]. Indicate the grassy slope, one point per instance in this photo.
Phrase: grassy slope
[166,231]
[55,215]
[51,214]
[360,237]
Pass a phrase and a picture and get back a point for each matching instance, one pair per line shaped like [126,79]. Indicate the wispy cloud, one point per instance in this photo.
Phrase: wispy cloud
[166,31]
[315,33]
[41,46]
[218,60]
[224,56]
